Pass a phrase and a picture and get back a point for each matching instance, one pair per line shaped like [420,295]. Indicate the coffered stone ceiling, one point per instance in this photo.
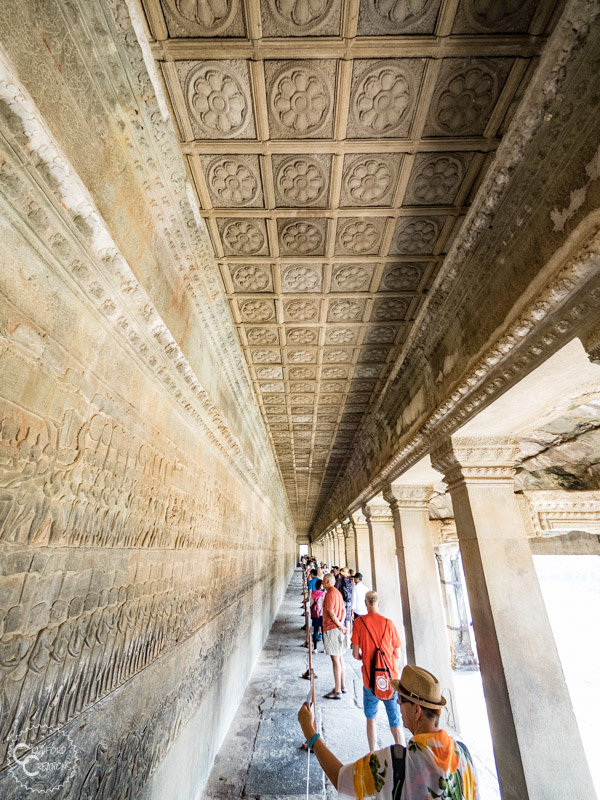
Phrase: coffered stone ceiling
[334,148]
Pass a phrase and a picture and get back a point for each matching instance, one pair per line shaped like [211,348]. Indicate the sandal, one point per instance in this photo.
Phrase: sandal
[332,696]
[343,690]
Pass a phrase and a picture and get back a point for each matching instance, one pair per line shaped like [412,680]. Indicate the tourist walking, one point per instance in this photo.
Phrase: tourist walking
[334,635]
[359,607]
[432,765]
[376,642]
[316,611]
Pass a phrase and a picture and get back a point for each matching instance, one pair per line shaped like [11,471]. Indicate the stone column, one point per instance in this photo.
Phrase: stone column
[383,559]
[338,538]
[427,642]
[330,553]
[458,618]
[349,545]
[537,745]
[363,547]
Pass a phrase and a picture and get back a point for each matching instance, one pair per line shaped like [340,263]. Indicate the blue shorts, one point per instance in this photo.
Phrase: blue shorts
[371,705]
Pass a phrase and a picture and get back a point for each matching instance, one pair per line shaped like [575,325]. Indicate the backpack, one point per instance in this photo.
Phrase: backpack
[398,754]
[379,674]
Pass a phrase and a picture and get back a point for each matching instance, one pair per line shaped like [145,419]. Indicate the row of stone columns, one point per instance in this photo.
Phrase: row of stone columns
[537,745]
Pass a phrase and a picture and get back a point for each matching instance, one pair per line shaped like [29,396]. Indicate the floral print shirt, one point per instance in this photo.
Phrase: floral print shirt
[437,768]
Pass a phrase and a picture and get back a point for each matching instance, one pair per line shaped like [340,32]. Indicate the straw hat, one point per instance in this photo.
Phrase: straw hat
[420,687]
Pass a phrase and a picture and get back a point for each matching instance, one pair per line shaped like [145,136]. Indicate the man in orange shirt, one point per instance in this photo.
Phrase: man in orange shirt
[370,632]
[334,635]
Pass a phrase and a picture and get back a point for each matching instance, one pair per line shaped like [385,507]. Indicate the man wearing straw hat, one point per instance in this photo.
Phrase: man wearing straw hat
[433,765]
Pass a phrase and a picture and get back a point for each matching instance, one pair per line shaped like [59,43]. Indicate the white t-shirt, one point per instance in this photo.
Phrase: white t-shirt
[358,603]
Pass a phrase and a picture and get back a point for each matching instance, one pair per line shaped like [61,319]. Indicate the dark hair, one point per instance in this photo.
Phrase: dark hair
[313,572]
[318,584]
[358,575]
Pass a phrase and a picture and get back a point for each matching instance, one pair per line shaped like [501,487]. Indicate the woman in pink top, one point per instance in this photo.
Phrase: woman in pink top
[316,611]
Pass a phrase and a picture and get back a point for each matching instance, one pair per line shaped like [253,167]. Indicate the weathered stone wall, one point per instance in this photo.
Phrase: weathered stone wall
[145,542]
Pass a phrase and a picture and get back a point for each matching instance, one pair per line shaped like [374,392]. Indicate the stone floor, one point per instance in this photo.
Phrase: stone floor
[260,757]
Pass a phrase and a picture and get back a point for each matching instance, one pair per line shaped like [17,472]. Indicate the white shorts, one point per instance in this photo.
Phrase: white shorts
[334,642]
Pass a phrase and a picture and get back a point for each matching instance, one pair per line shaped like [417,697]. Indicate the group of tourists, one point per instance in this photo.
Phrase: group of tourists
[432,766]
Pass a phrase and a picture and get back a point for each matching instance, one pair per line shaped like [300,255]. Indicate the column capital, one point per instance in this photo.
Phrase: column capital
[400,496]
[377,511]
[347,530]
[358,518]
[470,459]
[591,342]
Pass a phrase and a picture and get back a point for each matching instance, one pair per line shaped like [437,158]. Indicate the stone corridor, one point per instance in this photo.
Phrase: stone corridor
[260,756]
[279,274]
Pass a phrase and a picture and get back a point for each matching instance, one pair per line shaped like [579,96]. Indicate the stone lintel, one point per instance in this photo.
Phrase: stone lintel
[488,459]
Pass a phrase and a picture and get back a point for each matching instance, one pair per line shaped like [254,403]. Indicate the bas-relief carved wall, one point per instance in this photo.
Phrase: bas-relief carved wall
[138,528]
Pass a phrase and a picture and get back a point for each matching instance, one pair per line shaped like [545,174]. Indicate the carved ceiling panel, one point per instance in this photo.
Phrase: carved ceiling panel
[334,147]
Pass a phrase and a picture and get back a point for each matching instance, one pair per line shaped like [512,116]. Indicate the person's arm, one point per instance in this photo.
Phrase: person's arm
[397,653]
[356,652]
[335,620]
[330,764]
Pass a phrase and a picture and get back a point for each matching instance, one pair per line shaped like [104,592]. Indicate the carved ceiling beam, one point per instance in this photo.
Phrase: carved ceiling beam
[311,146]
[347,49]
